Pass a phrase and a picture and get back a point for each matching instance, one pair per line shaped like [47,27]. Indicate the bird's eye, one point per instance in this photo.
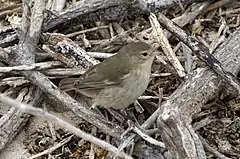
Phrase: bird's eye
[144,53]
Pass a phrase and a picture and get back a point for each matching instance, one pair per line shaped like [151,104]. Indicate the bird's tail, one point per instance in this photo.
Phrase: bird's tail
[67,84]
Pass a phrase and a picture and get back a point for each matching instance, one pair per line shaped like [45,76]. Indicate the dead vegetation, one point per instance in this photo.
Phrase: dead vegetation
[191,107]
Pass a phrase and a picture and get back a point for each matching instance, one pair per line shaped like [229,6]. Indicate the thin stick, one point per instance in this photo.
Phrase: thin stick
[148,138]
[100,55]
[92,147]
[45,115]
[34,66]
[145,125]
[51,149]
[163,41]
[87,30]
[210,149]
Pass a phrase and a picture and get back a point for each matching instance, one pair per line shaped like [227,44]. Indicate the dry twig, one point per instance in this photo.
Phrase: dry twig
[163,41]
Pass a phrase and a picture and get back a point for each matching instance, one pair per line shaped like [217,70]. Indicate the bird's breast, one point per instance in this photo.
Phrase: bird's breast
[138,81]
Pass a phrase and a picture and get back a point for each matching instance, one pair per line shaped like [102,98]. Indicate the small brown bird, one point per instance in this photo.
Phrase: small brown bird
[119,80]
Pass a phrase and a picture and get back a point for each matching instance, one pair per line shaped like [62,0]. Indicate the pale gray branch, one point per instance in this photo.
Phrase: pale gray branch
[45,115]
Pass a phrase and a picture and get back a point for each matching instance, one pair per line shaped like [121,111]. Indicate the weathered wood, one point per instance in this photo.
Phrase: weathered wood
[188,99]
[28,40]
[94,10]
[14,120]
[201,51]
[8,36]
[104,10]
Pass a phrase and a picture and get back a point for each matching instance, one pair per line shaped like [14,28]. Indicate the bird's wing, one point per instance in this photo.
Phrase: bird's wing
[94,80]
[108,73]
[102,75]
